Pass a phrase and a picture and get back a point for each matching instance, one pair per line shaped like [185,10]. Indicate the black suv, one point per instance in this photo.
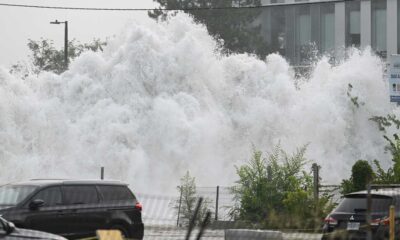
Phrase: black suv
[348,219]
[72,208]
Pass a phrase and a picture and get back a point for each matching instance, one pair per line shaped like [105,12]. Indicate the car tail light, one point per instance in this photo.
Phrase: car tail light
[380,221]
[376,222]
[138,206]
[385,221]
[331,221]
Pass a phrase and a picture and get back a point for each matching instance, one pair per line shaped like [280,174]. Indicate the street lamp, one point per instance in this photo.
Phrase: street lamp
[65,41]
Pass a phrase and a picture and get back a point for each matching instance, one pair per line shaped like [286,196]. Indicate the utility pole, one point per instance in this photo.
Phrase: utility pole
[66,45]
[66,62]
[102,173]
[216,204]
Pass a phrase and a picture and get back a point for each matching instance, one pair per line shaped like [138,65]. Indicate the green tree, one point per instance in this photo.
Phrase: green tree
[277,192]
[188,201]
[236,27]
[391,122]
[394,149]
[382,176]
[361,174]
[45,57]
[392,175]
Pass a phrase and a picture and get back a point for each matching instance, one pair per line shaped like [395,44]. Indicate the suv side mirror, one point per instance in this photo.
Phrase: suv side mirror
[35,204]
[10,227]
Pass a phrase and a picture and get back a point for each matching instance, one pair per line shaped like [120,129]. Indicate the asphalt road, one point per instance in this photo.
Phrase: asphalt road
[175,234]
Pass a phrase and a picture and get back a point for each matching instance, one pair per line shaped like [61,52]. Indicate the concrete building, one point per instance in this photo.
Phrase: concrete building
[297,27]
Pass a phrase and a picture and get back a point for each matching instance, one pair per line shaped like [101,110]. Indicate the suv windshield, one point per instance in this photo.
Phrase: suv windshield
[358,203]
[13,194]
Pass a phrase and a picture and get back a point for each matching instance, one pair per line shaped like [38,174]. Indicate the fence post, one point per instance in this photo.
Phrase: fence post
[216,204]
[102,173]
[391,222]
[369,210]
[315,170]
[179,207]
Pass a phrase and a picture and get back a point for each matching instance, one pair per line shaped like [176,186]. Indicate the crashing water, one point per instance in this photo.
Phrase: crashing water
[162,99]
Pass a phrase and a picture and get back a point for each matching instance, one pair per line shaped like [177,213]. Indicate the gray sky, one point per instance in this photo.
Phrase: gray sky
[17,25]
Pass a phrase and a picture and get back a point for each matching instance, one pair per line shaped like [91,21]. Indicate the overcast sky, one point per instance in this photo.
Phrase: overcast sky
[17,25]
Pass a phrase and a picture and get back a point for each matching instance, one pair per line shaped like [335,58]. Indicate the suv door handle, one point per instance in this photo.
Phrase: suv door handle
[60,213]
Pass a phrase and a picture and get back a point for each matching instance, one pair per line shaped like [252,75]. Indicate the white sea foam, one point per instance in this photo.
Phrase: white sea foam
[161,100]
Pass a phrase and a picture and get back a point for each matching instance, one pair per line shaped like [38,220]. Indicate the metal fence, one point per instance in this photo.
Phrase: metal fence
[164,210]
[161,220]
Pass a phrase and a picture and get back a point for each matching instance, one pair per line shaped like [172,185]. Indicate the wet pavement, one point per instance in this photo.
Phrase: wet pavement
[165,233]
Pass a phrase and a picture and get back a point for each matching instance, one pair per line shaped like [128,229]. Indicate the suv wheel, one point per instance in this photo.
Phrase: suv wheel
[122,229]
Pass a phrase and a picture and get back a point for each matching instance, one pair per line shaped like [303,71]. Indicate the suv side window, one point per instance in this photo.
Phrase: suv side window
[51,196]
[115,193]
[80,194]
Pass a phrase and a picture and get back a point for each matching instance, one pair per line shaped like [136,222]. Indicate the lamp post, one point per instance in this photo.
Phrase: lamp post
[65,41]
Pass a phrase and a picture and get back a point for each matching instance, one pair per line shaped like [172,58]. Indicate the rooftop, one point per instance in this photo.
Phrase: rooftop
[41,182]
[381,191]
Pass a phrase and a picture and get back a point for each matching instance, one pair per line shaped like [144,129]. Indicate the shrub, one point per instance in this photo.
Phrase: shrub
[276,192]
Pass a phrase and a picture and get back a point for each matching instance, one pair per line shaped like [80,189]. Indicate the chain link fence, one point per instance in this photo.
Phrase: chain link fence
[164,220]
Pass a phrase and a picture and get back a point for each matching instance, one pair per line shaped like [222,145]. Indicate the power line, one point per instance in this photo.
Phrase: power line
[151,9]
[123,9]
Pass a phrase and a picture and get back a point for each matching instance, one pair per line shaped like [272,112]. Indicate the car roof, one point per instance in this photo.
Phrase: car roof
[49,182]
[390,192]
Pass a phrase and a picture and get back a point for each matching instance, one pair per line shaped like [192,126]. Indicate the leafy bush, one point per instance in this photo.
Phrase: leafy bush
[276,192]
[361,175]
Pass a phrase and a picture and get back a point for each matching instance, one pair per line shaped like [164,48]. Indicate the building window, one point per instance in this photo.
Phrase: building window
[273,29]
[303,33]
[378,8]
[353,29]
[327,27]
[278,41]
[303,25]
